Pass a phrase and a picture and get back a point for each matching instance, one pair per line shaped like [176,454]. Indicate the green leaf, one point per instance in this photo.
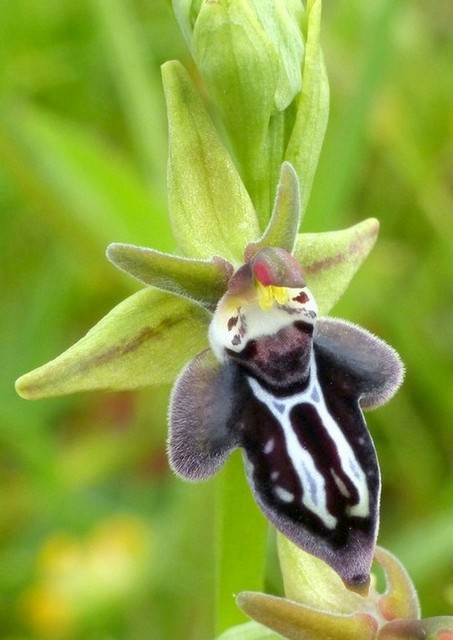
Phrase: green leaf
[137,83]
[249,631]
[311,582]
[297,622]
[103,193]
[345,151]
[329,260]
[307,136]
[204,281]
[285,220]
[211,212]
[144,340]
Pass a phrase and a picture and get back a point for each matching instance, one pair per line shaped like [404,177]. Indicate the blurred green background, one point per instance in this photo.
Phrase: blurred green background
[97,540]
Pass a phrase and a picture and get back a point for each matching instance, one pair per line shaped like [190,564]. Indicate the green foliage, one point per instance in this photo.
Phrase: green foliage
[81,165]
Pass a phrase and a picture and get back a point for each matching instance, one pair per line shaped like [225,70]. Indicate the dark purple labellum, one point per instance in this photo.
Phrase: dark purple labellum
[292,401]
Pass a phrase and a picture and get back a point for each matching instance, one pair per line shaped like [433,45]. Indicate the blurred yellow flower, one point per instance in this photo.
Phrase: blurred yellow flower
[78,578]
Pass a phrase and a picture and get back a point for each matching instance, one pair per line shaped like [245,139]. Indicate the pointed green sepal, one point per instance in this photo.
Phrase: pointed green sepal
[311,582]
[400,599]
[144,340]
[210,210]
[329,260]
[249,631]
[203,281]
[285,220]
[297,622]
[307,135]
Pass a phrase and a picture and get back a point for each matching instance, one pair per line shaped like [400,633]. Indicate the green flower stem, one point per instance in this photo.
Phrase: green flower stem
[241,543]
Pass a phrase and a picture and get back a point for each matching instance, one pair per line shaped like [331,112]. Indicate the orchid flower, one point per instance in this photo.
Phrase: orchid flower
[242,309]
[279,382]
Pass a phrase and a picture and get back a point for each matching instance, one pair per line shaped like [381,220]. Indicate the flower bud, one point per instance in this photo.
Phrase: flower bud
[250,55]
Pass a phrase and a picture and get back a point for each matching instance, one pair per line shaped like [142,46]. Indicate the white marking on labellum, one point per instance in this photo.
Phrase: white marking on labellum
[314,494]
[252,323]
[269,446]
[314,395]
[279,406]
[312,481]
[283,494]
[274,475]
[340,484]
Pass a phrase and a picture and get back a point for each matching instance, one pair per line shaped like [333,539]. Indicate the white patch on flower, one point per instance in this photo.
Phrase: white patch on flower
[283,494]
[236,322]
[311,479]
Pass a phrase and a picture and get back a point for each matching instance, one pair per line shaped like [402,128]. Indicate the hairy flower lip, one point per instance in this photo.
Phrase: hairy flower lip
[287,374]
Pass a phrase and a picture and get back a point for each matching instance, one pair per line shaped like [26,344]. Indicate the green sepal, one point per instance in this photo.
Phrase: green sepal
[285,220]
[304,146]
[329,260]
[145,340]
[400,599]
[311,582]
[295,621]
[248,631]
[203,281]
[210,210]
[87,192]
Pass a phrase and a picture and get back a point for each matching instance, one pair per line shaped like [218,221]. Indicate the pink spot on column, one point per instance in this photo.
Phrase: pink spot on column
[262,273]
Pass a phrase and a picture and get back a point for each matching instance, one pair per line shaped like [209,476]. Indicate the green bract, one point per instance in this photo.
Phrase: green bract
[210,210]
